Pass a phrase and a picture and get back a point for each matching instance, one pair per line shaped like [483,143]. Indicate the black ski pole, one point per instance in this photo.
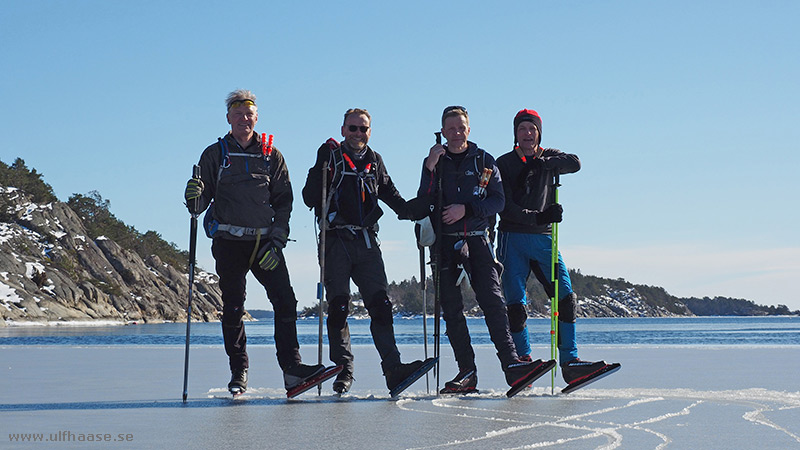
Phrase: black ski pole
[438,264]
[424,283]
[323,226]
[192,254]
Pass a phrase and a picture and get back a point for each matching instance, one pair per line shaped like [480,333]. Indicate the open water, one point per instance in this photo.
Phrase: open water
[682,331]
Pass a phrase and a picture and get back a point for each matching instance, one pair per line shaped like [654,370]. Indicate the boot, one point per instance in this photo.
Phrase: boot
[465,382]
[299,374]
[576,369]
[343,382]
[400,372]
[519,369]
[238,383]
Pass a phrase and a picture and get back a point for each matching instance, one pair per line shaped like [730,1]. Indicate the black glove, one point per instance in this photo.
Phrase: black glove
[417,208]
[268,257]
[536,164]
[194,188]
[552,214]
[540,164]
[278,236]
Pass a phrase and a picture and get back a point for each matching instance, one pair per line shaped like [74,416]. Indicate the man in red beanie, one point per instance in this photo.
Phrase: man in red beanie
[525,241]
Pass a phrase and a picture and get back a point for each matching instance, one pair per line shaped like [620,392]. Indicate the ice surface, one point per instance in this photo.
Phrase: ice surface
[663,397]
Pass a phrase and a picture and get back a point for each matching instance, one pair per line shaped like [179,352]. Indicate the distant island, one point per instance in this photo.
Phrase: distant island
[597,297]
[75,261]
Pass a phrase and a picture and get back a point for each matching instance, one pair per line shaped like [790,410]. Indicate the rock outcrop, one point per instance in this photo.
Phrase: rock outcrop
[50,270]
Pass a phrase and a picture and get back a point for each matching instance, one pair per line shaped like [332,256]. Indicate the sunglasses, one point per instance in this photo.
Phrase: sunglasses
[239,103]
[454,108]
[354,128]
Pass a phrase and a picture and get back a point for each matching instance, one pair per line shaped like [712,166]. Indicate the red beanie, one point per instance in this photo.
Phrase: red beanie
[527,115]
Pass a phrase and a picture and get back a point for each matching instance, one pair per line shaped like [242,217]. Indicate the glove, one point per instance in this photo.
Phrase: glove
[540,164]
[268,257]
[536,164]
[552,214]
[417,208]
[194,188]
[278,236]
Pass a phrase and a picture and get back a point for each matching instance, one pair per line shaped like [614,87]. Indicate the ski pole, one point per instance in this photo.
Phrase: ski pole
[424,283]
[554,301]
[321,286]
[192,254]
[438,267]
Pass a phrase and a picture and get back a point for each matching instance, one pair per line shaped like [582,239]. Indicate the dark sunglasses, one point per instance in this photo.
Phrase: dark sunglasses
[239,103]
[454,108]
[354,128]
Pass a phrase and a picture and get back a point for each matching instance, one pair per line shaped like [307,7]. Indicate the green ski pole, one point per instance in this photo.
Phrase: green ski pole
[554,301]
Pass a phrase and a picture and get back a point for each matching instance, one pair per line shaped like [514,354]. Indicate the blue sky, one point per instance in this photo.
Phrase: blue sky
[684,115]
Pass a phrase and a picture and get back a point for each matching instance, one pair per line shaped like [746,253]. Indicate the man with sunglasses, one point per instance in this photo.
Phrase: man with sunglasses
[356,179]
[472,193]
[245,184]
[525,241]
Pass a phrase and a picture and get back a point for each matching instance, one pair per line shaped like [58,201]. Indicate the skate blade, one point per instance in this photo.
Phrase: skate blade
[455,393]
[323,376]
[526,381]
[426,366]
[600,374]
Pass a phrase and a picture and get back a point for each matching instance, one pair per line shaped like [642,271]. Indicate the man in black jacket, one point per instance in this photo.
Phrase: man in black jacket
[472,194]
[248,182]
[355,181]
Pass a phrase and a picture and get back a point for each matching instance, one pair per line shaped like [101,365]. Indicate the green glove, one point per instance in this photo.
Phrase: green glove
[194,188]
[268,257]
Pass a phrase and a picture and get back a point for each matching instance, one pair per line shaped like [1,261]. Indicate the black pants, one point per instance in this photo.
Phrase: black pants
[485,281]
[233,263]
[349,255]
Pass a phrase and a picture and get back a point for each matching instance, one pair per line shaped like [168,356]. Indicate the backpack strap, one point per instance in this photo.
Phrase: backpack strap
[225,158]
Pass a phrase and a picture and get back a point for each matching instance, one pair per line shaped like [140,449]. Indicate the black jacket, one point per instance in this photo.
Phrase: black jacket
[250,191]
[354,190]
[460,186]
[528,186]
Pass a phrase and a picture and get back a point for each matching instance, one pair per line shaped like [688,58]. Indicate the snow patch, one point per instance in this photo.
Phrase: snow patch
[31,266]
[6,233]
[8,294]
[206,276]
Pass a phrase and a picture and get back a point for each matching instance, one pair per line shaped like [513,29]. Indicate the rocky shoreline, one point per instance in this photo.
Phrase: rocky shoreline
[51,271]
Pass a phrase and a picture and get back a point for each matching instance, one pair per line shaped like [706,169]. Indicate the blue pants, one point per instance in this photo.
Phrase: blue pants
[521,254]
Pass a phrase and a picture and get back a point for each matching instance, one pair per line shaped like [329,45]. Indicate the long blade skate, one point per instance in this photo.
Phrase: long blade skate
[532,376]
[416,375]
[323,376]
[607,370]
